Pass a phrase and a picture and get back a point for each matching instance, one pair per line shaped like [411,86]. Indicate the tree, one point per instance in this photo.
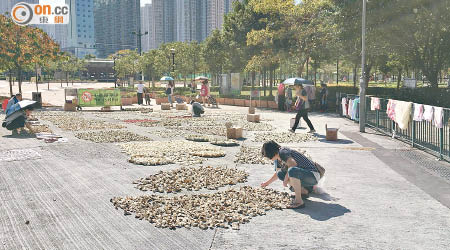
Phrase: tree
[24,46]
[421,35]
[127,63]
[214,53]
[152,64]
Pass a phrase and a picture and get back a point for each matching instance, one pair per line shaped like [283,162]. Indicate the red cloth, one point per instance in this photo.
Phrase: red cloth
[391,109]
[4,104]
[281,89]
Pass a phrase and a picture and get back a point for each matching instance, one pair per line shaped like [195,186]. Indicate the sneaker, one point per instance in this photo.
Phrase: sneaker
[291,130]
[312,131]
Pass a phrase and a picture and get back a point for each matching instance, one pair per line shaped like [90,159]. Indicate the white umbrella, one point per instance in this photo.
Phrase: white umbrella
[297,80]
[201,78]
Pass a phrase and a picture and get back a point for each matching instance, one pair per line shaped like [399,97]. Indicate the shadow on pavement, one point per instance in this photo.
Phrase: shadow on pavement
[28,136]
[324,196]
[322,211]
[339,141]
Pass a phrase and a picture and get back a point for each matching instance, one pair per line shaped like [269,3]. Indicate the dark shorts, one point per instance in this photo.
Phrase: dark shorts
[306,177]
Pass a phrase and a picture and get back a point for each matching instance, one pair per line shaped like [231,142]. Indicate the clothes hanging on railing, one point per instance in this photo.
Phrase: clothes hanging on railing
[403,113]
[375,103]
[438,117]
[355,109]
[428,113]
[390,111]
[344,106]
[418,112]
[350,108]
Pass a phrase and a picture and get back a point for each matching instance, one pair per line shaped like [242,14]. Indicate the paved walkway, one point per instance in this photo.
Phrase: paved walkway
[376,198]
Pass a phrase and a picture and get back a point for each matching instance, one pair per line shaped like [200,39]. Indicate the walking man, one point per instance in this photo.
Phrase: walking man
[140,92]
[302,107]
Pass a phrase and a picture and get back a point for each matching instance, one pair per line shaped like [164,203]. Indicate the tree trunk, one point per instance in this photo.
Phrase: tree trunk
[399,78]
[19,75]
[184,81]
[307,69]
[153,82]
[253,80]
[354,76]
[10,83]
[264,81]
[271,81]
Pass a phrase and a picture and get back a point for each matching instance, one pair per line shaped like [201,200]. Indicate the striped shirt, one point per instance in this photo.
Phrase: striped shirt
[301,160]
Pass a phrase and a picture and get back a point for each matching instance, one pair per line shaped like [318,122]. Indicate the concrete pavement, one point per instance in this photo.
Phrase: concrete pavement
[371,201]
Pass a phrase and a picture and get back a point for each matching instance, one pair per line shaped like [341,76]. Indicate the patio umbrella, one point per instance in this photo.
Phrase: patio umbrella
[166,78]
[297,80]
[201,78]
[25,104]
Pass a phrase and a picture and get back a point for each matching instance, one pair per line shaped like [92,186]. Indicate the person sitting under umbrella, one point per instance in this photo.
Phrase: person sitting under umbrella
[197,109]
[11,106]
[17,112]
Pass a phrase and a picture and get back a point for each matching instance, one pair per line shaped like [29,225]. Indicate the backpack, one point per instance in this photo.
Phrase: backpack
[320,168]
[168,91]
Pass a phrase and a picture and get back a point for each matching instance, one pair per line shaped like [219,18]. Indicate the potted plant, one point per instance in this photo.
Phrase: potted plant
[272,104]
[239,102]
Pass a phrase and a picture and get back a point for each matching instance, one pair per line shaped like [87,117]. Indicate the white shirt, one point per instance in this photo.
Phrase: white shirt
[140,88]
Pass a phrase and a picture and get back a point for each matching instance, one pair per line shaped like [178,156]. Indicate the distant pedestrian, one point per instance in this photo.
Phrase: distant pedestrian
[288,91]
[204,92]
[323,98]
[169,92]
[147,96]
[140,92]
[281,98]
[302,106]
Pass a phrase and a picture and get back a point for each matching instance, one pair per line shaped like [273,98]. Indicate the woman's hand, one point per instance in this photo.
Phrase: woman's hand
[264,184]
[286,180]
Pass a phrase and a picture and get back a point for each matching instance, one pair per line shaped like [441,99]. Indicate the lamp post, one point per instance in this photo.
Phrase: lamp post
[115,74]
[362,82]
[173,59]
[139,36]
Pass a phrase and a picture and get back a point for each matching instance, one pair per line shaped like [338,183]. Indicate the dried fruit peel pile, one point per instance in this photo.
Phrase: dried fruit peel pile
[191,178]
[284,137]
[73,122]
[166,152]
[111,136]
[250,155]
[224,209]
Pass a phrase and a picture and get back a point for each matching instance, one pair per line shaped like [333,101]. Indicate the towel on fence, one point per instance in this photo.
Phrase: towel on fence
[375,103]
[438,117]
[403,113]
[428,113]
[350,108]
[418,112]
[390,111]
[354,107]
[344,106]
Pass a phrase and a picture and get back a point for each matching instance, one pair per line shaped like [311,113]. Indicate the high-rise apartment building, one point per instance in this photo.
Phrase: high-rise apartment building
[80,32]
[115,21]
[147,41]
[189,19]
[181,20]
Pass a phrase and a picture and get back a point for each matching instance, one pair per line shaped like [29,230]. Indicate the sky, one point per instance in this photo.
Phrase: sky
[144,2]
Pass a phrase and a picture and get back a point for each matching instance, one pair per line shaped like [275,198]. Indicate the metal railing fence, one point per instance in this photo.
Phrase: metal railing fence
[423,134]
